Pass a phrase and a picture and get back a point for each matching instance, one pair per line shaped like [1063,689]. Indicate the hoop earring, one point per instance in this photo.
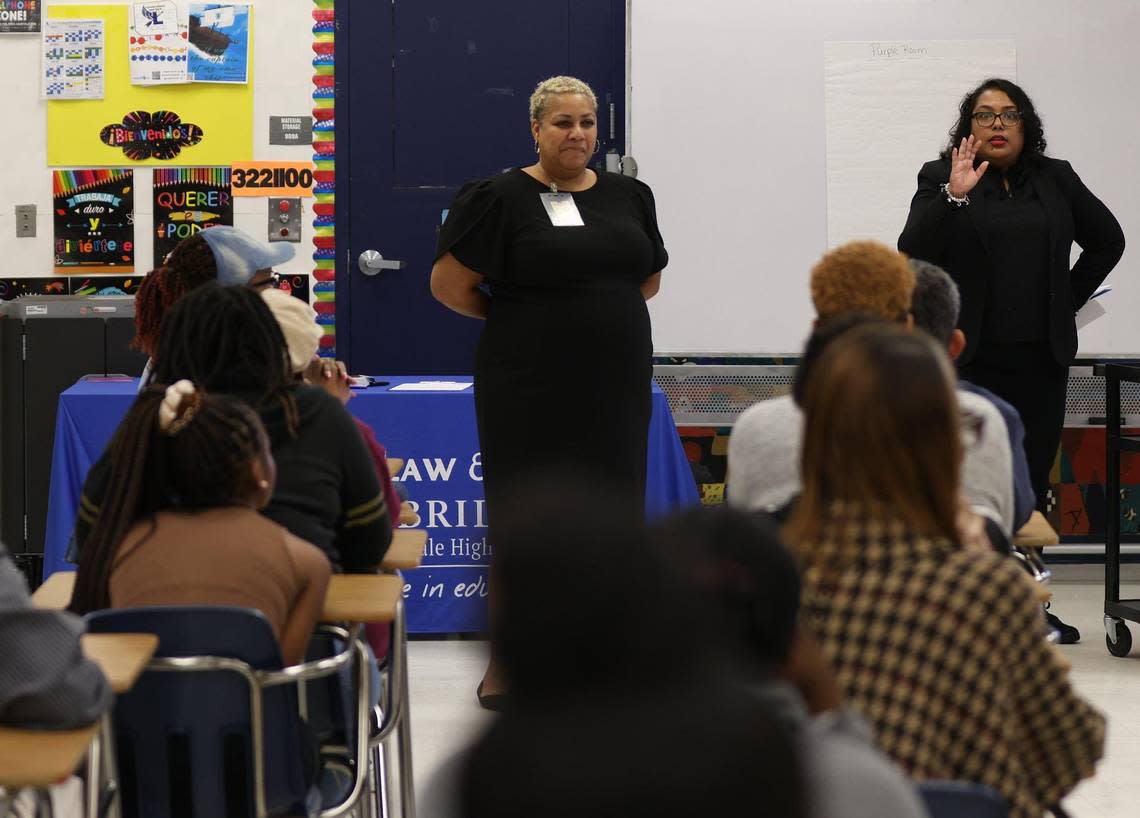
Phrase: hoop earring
[597,146]
[537,149]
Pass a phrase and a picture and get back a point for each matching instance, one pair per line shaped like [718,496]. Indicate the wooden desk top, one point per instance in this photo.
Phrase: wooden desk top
[40,758]
[362,598]
[350,597]
[1036,533]
[406,550]
[407,516]
[121,656]
[55,593]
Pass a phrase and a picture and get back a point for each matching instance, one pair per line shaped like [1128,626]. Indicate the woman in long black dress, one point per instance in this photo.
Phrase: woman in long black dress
[559,259]
[1001,218]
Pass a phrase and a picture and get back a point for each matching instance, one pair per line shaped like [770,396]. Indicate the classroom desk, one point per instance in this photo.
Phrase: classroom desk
[41,758]
[435,436]
[121,656]
[350,598]
[1036,533]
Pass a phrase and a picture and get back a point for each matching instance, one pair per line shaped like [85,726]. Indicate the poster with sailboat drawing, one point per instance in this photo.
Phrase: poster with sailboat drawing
[219,42]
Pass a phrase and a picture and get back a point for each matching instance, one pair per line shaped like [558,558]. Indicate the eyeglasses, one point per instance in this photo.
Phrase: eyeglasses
[973,427]
[986,118]
[273,280]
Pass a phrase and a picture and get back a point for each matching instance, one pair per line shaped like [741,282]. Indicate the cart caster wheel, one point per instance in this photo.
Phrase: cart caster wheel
[1123,641]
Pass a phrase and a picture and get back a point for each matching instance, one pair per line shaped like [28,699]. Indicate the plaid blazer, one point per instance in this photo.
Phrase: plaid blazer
[943,650]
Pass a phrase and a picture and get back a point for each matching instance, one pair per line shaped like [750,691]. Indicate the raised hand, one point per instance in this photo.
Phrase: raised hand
[963,176]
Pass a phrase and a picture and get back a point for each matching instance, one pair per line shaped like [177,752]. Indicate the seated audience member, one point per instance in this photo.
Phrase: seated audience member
[45,681]
[863,277]
[936,304]
[941,647]
[222,255]
[298,322]
[226,341]
[763,451]
[751,583]
[602,643]
[181,523]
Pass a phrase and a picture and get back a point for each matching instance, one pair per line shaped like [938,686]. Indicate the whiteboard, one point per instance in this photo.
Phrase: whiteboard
[728,126]
[882,99]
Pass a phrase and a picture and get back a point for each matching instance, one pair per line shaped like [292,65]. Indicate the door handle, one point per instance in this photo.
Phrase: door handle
[371,263]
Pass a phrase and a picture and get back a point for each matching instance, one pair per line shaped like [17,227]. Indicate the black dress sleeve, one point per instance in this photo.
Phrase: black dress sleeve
[1096,231]
[474,230]
[660,254]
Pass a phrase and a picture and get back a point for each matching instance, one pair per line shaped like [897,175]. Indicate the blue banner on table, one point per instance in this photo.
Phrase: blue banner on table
[433,432]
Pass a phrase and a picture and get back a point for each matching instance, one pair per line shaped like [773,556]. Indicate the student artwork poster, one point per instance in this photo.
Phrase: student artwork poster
[94,221]
[219,42]
[188,201]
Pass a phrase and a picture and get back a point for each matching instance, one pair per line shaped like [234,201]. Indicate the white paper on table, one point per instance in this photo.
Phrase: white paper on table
[889,105]
[74,59]
[431,386]
[158,41]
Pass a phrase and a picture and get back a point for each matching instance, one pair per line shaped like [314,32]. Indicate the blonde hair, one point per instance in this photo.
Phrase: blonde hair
[555,86]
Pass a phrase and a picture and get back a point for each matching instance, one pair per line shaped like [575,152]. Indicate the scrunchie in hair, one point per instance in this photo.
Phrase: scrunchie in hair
[169,419]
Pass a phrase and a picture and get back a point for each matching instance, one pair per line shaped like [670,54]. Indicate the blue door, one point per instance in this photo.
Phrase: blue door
[431,94]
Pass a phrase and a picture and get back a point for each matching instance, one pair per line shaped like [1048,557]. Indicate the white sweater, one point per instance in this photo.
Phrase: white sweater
[764,459]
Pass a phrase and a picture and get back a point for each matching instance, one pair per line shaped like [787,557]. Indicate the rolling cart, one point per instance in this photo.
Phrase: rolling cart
[1117,611]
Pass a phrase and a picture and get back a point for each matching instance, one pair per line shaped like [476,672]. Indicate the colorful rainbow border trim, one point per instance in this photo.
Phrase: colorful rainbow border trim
[324,159]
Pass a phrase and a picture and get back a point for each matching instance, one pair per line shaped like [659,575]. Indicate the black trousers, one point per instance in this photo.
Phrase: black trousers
[1027,375]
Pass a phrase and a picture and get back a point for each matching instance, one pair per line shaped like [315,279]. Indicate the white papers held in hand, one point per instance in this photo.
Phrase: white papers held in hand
[431,386]
[1093,308]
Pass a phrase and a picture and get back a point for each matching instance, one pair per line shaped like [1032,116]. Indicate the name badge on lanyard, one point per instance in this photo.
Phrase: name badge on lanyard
[561,209]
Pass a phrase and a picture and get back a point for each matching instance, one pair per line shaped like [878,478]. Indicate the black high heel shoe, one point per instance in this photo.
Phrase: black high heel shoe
[490,701]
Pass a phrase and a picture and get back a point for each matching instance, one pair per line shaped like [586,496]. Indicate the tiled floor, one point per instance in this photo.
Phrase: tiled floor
[445,715]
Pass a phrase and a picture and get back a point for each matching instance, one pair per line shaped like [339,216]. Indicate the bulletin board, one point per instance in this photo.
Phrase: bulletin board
[222,113]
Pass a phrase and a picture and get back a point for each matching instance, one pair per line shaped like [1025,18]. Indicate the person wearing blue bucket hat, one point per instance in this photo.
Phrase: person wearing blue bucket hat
[242,259]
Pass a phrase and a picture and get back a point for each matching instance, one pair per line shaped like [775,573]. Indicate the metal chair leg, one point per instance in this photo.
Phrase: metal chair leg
[94,774]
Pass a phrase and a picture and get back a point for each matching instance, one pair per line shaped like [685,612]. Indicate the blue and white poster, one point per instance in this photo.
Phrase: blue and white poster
[159,47]
[219,42]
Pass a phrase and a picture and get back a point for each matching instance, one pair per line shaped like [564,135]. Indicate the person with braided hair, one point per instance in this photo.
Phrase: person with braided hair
[226,341]
[223,255]
[190,472]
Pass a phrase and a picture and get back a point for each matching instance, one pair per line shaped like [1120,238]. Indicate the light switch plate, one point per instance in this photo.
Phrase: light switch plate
[26,221]
[285,219]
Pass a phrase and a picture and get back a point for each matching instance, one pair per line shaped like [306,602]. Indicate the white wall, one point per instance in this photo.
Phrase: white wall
[728,127]
[282,77]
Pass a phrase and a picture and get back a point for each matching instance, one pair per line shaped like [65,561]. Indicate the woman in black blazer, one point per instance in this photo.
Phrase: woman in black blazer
[1001,218]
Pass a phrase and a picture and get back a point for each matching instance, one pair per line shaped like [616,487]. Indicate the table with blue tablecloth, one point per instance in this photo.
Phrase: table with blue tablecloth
[432,431]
